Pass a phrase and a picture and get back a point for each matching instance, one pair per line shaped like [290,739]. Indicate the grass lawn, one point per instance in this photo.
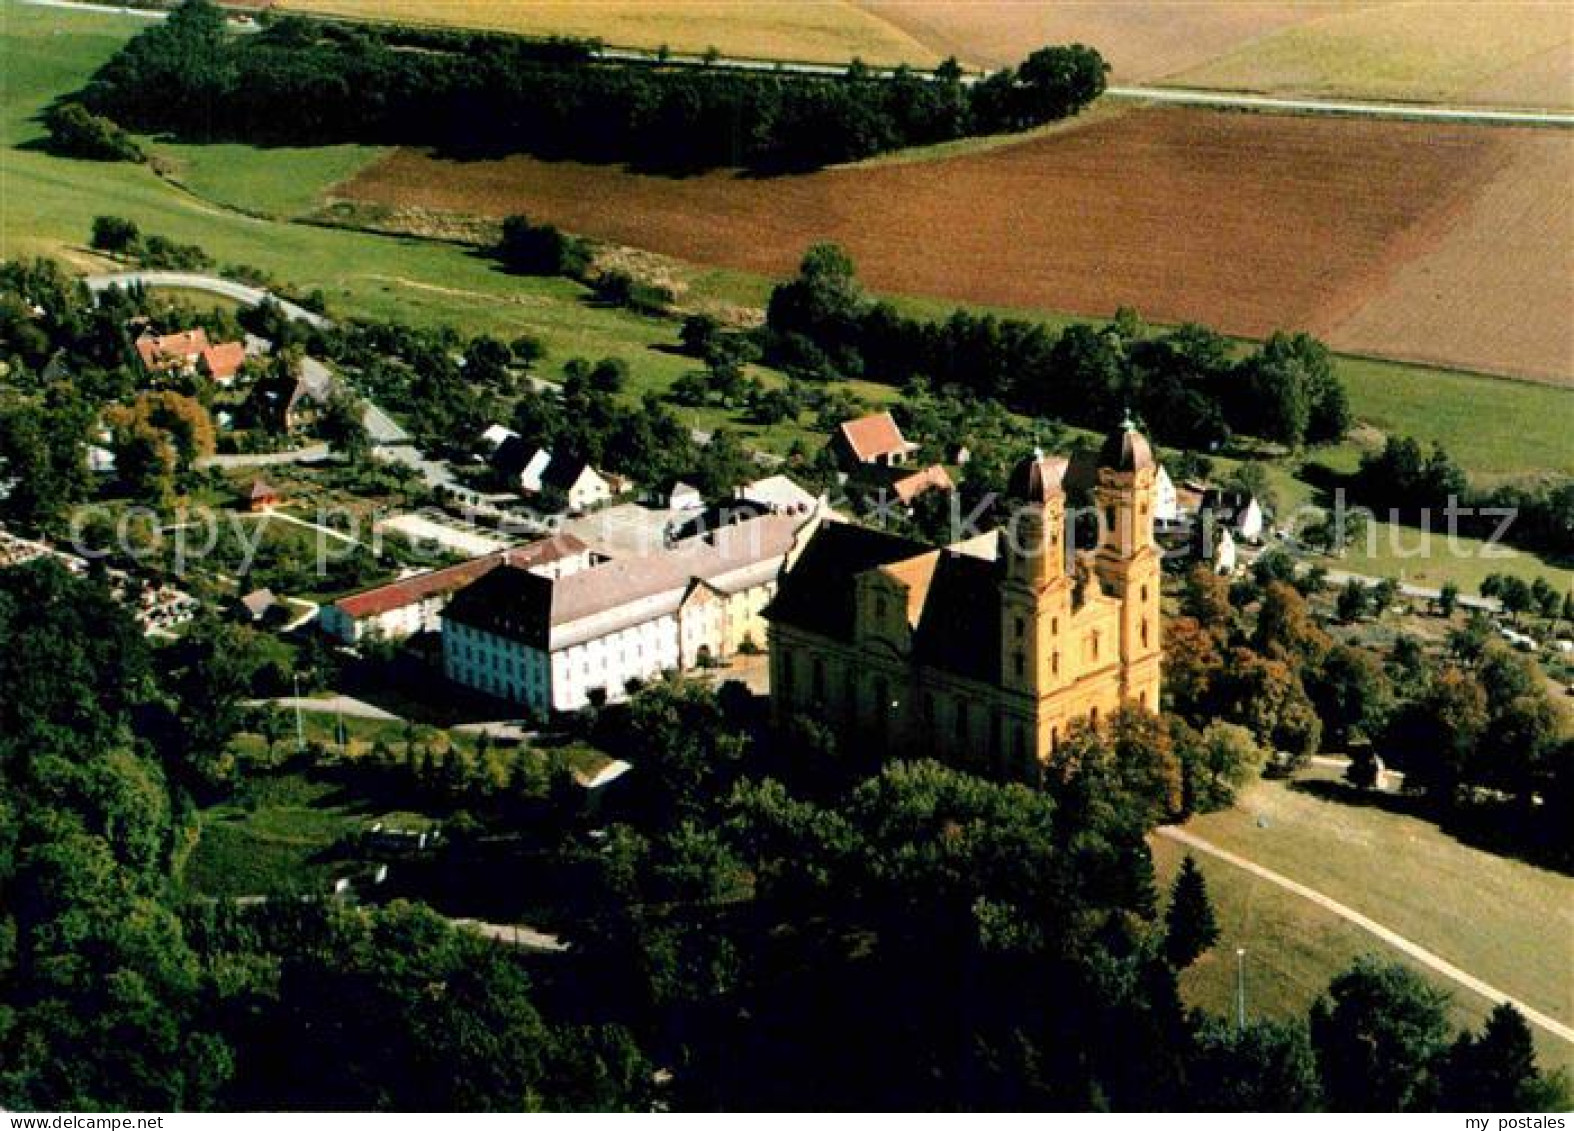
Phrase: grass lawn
[1293,950]
[282,182]
[1507,922]
[1408,554]
[281,840]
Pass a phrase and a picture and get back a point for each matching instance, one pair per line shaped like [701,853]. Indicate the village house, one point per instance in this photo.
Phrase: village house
[414,604]
[558,644]
[983,662]
[190,353]
[777,493]
[578,485]
[1239,511]
[565,479]
[871,441]
[262,497]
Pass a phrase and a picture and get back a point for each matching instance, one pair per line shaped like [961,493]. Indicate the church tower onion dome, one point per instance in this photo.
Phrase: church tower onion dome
[1126,449]
[1036,479]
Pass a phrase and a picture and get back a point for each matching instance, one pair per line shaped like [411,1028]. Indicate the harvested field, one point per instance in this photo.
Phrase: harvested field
[1246,222]
[1507,51]
[832,31]
[1142,41]
[1512,52]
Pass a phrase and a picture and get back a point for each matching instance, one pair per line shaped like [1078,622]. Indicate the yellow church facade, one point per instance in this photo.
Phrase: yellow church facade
[980,661]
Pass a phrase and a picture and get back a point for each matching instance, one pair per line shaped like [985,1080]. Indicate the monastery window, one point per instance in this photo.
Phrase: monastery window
[879,608]
[1144,594]
[1093,716]
[1019,663]
[1054,626]
[1054,664]
[787,666]
[1144,632]
[1021,627]
[961,720]
[1093,644]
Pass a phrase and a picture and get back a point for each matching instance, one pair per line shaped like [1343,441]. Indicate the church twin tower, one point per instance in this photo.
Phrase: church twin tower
[1080,629]
[982,661]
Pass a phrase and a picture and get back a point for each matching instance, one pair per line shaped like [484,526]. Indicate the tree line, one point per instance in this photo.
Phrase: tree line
[1189,384]
[303,82]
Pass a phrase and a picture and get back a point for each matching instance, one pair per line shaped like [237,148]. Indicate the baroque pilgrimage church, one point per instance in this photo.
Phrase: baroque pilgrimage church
[980,662]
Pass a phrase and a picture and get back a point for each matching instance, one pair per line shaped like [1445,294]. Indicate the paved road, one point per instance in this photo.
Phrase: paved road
[312,454]
[1391,937]
[345,705]
[194,281]
[1416,112]
[525,938]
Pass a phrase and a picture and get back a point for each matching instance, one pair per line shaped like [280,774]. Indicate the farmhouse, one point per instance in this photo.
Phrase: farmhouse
[556,644]
[982,661]
[414,604]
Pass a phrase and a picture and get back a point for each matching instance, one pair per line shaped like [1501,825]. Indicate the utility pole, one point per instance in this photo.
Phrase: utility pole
[1240,989]
[300,725]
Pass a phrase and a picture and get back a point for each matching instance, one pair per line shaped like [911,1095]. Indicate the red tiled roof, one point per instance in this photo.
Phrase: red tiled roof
[386,598]
[932,478]
[873,436]
[160,353]
[222,361]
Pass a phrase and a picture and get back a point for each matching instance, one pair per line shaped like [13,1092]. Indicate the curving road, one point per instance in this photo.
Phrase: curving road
[1389,936]
[212,284]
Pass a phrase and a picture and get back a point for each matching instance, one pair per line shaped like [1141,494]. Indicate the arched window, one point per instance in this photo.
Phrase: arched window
[1093,716]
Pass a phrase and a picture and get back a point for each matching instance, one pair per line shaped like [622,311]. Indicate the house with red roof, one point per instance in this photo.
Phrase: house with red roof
[189,353]
[871,441]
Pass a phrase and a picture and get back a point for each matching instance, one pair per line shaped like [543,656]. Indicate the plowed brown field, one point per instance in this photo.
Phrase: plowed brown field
[1246,222]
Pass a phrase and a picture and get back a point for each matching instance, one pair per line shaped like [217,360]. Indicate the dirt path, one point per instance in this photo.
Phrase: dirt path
[1392,938]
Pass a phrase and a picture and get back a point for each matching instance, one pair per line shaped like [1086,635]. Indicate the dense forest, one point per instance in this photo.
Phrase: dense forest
[303,82]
